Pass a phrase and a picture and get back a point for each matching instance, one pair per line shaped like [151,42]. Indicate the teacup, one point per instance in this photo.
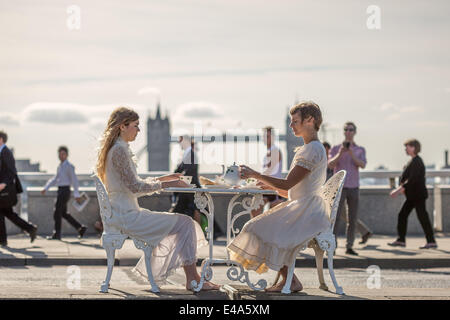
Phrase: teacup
[186,179]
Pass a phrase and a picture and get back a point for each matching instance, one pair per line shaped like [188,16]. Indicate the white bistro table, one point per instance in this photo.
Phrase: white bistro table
[249,199]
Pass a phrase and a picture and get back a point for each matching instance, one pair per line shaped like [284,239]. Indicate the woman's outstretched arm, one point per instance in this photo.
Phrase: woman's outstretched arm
[282,193]
[295,176]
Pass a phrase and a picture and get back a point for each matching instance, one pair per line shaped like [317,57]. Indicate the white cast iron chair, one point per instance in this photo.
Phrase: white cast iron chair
[324,241]
[113,238]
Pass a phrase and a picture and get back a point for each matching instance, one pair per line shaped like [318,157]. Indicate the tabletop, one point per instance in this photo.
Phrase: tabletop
[246,190]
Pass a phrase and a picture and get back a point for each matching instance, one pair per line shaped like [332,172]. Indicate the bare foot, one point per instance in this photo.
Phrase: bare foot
[276,287]
[207,286]
[296,286]
[210,286]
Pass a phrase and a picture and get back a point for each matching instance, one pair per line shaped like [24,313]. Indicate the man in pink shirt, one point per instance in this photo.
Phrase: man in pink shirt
[350,157]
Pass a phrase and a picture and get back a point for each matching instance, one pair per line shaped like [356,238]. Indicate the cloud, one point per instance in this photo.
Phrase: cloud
[54,113]
[387,106]
[149,90]
[411,109]
[195,110]
[204,116]
[393,116]
[72,113]
[434,124]
[9,119]
[397,112]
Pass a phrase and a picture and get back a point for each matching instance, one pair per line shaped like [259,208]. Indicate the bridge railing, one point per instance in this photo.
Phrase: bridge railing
[380,177]
[438,180]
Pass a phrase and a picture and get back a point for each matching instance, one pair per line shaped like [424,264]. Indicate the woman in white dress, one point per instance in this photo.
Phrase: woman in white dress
[272,239]
[174,237]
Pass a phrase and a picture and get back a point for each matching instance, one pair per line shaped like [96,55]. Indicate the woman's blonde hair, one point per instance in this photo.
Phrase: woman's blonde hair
[119,116]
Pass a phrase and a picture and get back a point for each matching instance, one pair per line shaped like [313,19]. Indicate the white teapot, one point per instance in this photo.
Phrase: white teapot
[232,175]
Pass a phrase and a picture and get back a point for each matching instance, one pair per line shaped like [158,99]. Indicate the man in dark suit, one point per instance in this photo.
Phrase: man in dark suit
[8,177]
[188,167]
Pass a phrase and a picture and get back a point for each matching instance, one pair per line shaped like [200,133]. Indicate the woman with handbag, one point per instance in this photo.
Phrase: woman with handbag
[9,188]
[413,186]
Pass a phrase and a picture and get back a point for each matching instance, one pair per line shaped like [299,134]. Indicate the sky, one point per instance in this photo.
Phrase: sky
[224,65]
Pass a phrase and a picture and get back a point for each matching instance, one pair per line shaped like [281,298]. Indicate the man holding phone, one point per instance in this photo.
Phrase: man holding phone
[350,157]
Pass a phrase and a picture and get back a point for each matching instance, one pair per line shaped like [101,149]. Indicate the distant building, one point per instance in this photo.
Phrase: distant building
[159,139]
[158,142]
[24,165]
[446,165]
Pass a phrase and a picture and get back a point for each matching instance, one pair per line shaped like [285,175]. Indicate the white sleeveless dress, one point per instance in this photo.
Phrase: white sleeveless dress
[272,239]
[174,237]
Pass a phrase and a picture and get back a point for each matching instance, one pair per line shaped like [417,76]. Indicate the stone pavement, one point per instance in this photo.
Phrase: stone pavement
[59,283]
[88,251]
[40,271]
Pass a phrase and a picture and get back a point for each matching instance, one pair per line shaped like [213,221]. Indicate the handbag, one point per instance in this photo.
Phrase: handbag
[8,196]
[18,185]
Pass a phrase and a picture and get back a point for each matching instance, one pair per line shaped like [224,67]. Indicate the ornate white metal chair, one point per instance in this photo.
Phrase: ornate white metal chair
[324,241]
[113,238]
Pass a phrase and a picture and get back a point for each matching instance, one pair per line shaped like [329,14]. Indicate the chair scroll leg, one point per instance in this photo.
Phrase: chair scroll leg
[319,264]
[110,255]
[330,252]
[148,266]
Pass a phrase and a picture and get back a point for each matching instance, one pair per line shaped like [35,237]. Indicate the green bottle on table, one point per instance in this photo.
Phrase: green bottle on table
[203,222]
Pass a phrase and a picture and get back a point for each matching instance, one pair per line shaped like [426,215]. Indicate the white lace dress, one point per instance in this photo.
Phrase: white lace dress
[174,237]
[272,239]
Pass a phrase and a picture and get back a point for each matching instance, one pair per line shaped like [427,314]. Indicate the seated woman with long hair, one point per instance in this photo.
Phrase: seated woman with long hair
[174,237]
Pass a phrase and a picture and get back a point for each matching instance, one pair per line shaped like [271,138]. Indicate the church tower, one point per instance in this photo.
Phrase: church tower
[158,142]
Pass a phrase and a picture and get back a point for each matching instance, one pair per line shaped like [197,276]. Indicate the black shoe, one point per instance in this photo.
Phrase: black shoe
[33,234]
[350,251]
[4,244]
[429,245]
[397,243]
[81,232]
[365,237]
[54,237]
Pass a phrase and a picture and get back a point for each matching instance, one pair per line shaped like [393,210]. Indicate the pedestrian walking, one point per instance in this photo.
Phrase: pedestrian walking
[412,185]
[350,157]
[10,186]
[64,178]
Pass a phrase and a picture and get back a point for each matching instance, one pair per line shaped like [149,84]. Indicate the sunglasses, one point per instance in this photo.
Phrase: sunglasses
[349,129]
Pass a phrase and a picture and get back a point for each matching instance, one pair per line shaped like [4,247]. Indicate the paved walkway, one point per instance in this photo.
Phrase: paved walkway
[88,251]
[31,262]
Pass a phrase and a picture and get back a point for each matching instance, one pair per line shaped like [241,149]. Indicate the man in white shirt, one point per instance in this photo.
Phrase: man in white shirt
[272,166]
[64,178]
